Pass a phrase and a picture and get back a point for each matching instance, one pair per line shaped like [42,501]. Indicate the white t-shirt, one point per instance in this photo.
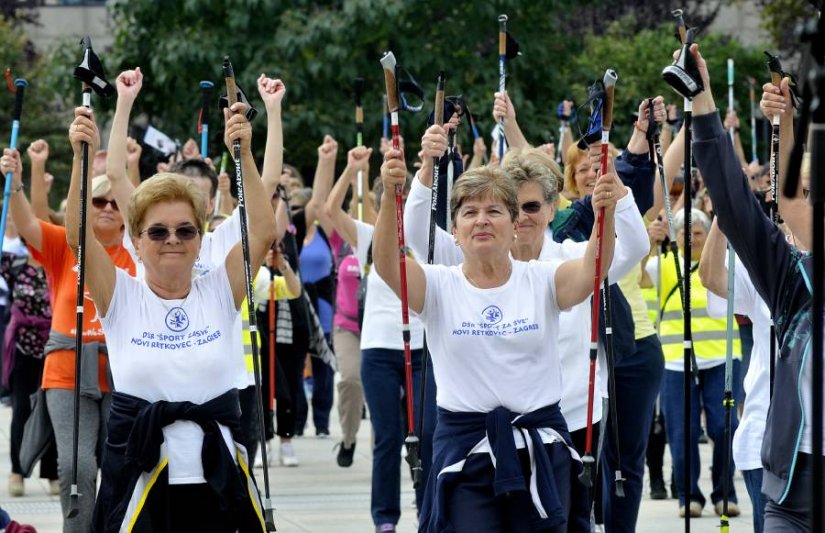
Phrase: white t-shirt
[215,246]
[382,309]
[174,350]
[494,347]
[574,325]
[747,441]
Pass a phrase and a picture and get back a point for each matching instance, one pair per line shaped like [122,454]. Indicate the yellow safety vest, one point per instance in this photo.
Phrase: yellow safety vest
[709,334]
[281,293]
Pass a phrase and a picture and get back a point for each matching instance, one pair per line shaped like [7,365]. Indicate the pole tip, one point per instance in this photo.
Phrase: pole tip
[206,84]
[502,18]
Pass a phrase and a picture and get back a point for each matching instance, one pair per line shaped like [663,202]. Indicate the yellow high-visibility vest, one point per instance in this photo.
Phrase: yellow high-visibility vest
[708,334]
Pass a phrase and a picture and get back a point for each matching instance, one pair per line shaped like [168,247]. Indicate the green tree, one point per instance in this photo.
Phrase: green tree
[639,57]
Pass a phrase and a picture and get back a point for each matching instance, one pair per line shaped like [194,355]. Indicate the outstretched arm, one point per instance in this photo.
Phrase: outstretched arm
[128,84]
[272,92]
[503,108]
[712,268]
[260,216]
[38,153]
[357,159]
[385,238]
[27,224]
[322,184]
[102,284]
[574,278]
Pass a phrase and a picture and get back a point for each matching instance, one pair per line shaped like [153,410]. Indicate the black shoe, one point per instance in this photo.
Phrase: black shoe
[345,455]
[657,489]
[703,437]
[322,433]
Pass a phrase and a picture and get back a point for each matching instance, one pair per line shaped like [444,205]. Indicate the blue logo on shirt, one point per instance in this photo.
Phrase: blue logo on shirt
[492,314]
[177,319]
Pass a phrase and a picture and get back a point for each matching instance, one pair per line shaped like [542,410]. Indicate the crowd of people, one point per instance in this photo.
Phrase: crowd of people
[500,294]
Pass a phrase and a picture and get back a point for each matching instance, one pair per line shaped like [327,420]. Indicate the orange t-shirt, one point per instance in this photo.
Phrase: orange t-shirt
[61,268]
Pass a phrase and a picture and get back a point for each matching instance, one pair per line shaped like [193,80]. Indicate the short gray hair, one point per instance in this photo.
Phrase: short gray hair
[483,182]
[533,165]
[695,216]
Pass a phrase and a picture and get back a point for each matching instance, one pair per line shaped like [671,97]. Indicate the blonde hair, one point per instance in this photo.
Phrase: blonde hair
[572,158]
[101,186]
[165,187]
[533,165]
[480,182]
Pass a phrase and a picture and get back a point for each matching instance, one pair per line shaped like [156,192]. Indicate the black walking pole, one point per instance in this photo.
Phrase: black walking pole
[18,88]
[611,386]
[232,97]
[683,76]
[90,73]
[776,78]
[438,118]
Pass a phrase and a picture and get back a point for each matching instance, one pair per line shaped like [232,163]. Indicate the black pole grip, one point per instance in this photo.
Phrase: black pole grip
[18,99]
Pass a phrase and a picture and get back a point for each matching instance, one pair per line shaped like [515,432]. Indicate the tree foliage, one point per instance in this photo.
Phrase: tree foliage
[639,57]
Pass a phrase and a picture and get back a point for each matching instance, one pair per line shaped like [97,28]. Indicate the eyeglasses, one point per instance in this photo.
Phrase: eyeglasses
[186,232]
[531,208]
[100,203]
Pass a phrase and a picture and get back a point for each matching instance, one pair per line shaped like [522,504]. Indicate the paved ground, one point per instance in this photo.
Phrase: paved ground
[318,496]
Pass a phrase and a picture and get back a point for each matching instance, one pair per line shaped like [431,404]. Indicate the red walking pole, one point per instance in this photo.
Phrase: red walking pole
[412,442]
[588,460]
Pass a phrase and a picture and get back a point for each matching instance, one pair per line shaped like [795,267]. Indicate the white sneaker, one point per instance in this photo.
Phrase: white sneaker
[259,460]
[287,455]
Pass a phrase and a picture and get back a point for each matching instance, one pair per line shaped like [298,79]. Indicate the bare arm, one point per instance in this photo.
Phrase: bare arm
[357,159]
[102,284]
[385,238]
[272,92]
[28,225]
[712,268]
[260,216]
[38,153]
[128,85]
[638,145]
[322,184]
[503,108]
[574,278]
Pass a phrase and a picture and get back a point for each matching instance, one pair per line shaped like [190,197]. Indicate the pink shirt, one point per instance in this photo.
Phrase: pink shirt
[346,296]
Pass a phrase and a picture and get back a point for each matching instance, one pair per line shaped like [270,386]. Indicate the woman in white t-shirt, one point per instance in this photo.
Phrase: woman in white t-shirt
[492,330]
[175,413]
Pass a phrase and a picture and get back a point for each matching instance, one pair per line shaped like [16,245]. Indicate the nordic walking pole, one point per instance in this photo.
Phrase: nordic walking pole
[90,72]
[271,317]
[476,134]
[611,387]
[564,124]
[502,77]
[224,161]
[359,141]
[232,98]
[728,402]
[411,441]
[19,89]
[438,118]
[776,78]
[752,96]
[589,461]
[683,76]
[203,119]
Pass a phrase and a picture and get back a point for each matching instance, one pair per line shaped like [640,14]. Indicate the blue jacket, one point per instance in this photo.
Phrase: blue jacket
[457,433]
[576,223]
[781,275]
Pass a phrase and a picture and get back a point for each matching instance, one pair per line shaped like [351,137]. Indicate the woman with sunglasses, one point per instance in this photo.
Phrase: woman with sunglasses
[175,413]
[47,244]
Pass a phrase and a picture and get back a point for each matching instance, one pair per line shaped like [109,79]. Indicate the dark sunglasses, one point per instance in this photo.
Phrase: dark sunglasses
[100,203]
[531,208]
[161,233]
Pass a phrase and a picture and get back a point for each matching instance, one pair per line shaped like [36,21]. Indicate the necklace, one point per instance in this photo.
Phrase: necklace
[473,282]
